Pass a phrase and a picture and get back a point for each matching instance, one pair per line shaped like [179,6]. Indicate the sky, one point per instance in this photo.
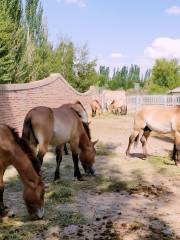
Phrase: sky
[118,32]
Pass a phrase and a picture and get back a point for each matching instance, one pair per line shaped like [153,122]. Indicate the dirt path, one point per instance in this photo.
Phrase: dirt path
[128,199]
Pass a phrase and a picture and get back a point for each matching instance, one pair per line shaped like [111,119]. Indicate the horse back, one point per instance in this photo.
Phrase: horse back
[39,122]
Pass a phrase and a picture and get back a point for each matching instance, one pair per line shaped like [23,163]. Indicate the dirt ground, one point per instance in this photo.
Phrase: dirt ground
[128,199]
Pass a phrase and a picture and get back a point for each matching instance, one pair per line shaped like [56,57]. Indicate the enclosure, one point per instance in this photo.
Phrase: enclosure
[129,198]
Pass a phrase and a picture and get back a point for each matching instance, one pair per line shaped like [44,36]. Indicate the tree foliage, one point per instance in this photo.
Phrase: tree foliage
[26,55]
[165,75]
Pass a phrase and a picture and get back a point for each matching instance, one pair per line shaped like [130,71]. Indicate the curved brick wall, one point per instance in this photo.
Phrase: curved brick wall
[17,99]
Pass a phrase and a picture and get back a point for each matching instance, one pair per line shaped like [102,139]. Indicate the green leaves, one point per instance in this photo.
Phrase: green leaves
[165,75]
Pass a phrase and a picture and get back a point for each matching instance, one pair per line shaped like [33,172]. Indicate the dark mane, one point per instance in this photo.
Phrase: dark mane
[78,102]
[87,129]
[85,125]
[24,145]
[98,103]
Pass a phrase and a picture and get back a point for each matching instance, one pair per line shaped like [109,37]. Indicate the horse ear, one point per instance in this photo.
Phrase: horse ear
[95,142]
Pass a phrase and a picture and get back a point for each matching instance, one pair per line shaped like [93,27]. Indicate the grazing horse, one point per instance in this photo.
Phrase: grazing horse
[57,126]
[16,151]
[160,119]
[117,107]
[123,110]
[96,108]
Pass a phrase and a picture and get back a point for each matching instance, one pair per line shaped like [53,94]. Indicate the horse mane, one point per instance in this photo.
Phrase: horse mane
[78,102]
[98,103]
[24,145]
[85,125]
[87,129]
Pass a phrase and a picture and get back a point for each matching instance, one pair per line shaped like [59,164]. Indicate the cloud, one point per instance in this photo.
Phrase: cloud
[174,10]
[118,55]
[163,48]
[79,3]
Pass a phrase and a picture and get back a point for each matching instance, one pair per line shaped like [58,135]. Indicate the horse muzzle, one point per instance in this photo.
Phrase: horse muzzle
[38,215]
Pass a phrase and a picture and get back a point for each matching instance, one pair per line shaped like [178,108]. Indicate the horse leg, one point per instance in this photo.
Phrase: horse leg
[93,113]
[65,149]
[176,151]
[144,141]
[58,162]
[2,207]
[43,148]
[77,172]
[132,139]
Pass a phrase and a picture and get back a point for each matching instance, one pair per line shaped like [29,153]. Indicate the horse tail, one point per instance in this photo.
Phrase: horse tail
[28,132]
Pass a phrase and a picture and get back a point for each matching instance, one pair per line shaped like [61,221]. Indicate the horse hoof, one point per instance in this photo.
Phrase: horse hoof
[6,212]
[56,178]
[80,178]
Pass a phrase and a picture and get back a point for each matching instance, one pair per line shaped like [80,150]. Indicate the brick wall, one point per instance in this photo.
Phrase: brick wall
[17,99]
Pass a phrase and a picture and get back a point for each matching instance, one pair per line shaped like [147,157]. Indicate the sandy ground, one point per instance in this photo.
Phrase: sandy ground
[140,200]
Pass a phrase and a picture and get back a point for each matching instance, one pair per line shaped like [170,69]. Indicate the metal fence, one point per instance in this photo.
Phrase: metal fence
[135,102]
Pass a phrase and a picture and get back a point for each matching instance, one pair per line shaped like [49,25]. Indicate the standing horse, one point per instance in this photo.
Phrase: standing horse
[159,119]
[16,151]
[96,108]
[57,126]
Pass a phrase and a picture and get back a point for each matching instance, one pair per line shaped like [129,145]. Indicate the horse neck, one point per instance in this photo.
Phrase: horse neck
[84,141]
[25,169]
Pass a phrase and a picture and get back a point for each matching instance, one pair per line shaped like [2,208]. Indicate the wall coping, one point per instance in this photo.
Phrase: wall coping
[37,84]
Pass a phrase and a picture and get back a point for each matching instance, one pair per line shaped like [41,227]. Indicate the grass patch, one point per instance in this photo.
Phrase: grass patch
[104,149]
[164,165]
[102,184]
[60,192]
[65,218]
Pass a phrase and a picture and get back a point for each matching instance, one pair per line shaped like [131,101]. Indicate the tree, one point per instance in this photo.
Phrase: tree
[34,23]
[11,40]
[165,75]
[84,70]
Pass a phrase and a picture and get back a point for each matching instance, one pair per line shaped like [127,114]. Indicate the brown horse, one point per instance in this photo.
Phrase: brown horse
[96,108]
[57,126]
[16,151]
[117,107]
[159,119]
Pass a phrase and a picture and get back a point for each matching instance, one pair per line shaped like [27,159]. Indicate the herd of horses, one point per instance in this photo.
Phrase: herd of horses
[44,126]
[112,106]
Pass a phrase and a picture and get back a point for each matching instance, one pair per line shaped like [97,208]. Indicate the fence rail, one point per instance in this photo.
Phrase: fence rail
[134,102]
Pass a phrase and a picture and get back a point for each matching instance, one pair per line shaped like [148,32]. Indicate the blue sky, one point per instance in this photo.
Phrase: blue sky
[118,32]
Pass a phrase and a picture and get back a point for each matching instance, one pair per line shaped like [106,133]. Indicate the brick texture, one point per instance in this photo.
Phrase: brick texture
[17,99]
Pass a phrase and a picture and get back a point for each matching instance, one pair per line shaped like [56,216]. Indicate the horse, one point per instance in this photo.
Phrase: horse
[108,103]
[123,110]
[161,119]
[17,152]
[116,107]
[96,108]
[57,126]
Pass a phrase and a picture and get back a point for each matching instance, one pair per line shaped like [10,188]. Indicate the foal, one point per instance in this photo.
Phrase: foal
[15,151]
[159,119]
[56,126]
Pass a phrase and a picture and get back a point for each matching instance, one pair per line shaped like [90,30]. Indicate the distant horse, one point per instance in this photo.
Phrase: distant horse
[117,107]
[57,126]
[96,108]
[108,104]
[160,119]
[16,151]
